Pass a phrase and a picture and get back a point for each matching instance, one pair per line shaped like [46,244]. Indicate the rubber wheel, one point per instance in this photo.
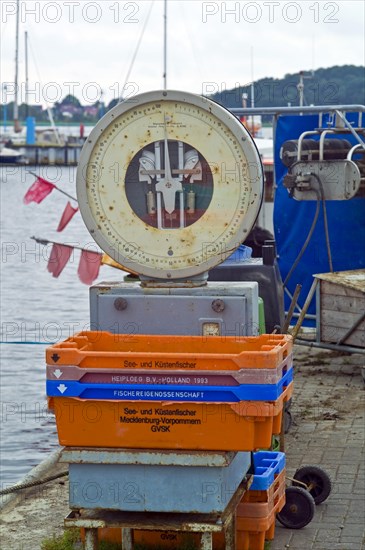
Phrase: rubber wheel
[317,481]
[298,510]
[288,404]
[288,421]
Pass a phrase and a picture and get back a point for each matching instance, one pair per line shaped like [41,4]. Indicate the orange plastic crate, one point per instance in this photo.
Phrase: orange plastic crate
[242,426]
[139,351]
[261,503]
[251,533]
[258,526]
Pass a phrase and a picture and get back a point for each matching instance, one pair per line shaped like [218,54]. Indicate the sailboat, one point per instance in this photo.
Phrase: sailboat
[11,156]
[43,137]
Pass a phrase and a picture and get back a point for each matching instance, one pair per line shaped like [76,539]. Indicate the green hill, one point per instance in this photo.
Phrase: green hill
[332,86]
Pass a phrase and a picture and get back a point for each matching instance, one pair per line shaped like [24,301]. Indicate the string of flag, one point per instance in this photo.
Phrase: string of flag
[40,189]
[89,264]
[90,261]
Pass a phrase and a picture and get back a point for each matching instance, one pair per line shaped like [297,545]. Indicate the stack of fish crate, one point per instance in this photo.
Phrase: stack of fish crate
[157,423]
[255,515]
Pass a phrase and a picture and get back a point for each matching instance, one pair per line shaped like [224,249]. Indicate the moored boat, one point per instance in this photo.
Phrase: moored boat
[10,156]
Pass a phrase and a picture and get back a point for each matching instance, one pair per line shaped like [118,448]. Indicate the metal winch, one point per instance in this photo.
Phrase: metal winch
[323,164]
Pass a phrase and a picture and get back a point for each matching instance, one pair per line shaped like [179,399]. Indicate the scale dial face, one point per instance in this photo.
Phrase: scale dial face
[169,184]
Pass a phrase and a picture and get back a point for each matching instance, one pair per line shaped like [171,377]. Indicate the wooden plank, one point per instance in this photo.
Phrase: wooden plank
[356,339]
[350,279]
[340,308]
[340,319]
[349,304]
[333,334]
[335,326]
[337,290]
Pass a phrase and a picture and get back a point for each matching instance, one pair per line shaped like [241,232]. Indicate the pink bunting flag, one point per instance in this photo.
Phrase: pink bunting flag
[38,191]
[89,266]
[67,216]
[60,255]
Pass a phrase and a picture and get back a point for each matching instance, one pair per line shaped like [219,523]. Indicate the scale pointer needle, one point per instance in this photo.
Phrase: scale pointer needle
[168,185]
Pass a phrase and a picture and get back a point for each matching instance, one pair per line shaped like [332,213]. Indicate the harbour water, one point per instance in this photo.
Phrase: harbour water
[36,309]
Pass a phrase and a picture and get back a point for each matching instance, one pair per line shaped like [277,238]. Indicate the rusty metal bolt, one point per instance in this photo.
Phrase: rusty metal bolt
[120,304]
[218,305]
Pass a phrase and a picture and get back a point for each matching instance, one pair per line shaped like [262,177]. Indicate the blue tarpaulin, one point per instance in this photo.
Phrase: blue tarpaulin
[293,219]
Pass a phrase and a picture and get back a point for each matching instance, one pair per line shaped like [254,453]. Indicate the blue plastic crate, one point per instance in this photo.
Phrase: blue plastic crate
[266,464]
[146,392]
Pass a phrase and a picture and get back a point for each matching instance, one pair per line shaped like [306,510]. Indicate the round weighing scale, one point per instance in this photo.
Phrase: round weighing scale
[169,184]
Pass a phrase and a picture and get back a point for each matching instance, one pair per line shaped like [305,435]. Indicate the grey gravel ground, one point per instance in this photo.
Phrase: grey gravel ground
[328,430]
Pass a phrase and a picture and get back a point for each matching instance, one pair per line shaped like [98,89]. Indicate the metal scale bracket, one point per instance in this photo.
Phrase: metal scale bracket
[340,179]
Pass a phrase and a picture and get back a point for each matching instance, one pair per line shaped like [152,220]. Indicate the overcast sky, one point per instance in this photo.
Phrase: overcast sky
[85,47]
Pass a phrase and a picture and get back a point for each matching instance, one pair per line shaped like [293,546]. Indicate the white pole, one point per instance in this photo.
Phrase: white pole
[300,87]
[26,74]
[165,47]
[252,95]
[16,100]
[252,81]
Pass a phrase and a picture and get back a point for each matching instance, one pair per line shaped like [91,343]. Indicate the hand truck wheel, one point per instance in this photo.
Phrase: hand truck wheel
[298,510]
[317,482]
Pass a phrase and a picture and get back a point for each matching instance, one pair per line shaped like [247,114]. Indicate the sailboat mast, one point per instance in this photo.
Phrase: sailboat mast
[165,46]
[252,95]
[26,74]
[16,85]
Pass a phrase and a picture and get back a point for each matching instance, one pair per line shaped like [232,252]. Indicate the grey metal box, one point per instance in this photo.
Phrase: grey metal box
[154,481]
[129,308]
[269,280]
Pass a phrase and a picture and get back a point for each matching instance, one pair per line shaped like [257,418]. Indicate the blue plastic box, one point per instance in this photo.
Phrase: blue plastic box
[266,464]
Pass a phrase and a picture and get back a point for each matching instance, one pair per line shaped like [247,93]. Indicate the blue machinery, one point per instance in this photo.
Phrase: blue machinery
[319,154]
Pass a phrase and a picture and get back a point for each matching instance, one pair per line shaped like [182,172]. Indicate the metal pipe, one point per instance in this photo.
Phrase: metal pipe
[309,316]
[323,345]
[321,142]
[292,110]
[353,132]
[182,212]
[159,211]
[127,538]
[359,148]
[206,541]
[300,141]
[91,539]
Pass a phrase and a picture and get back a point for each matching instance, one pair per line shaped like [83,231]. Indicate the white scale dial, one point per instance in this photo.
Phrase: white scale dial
[169,184]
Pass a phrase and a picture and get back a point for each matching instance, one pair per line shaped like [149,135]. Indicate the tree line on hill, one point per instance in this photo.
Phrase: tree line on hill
[338,85]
